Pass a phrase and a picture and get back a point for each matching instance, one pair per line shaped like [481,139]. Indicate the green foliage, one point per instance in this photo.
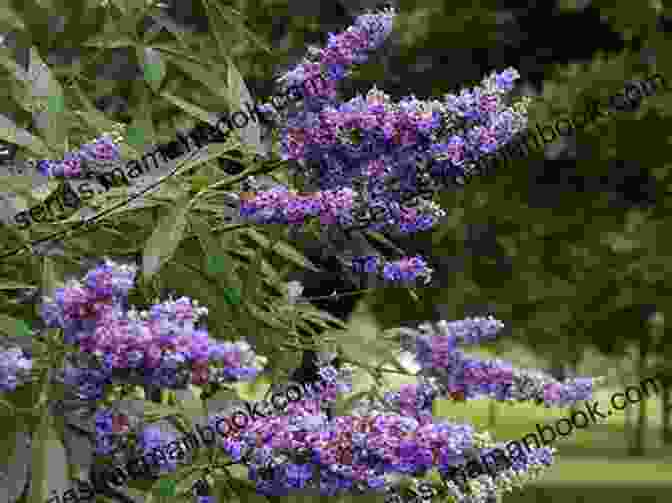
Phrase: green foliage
[576,270]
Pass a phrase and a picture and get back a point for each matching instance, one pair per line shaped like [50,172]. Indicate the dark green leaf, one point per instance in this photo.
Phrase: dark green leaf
[164,241]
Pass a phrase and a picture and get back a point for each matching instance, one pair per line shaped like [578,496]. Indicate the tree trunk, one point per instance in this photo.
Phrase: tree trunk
[638,449]
[573,371]
[492,414]
[629,428]
[666,401]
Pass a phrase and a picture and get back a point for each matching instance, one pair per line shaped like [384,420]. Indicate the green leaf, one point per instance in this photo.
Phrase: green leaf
[167,487]
[13,285]
[16,70]
[49,278]
[47,90]
[18,184]
[163,20]
[113,36]
[343,406]
[239,96]
[10,18]
[216,264]
[232,296]
[164,241]
[214,20]
[153,65]
[91,115]
[56,104]
[265,317]
[10,132]
[190,108]
[200,72]
[23,329]
[209,153]
[283,249]
[141,131]
[154,412]
[136,137]
[253,277]
[227,13]
[11,326]
[42,442]
[191,405]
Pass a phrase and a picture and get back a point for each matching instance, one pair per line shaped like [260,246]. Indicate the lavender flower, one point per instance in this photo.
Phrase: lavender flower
[15,367]
[153,437]
[163,346]
[73,165]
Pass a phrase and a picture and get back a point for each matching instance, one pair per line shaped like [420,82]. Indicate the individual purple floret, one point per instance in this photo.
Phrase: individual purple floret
[408,269]
[153,437]
[15,368]
[88,383]
[471,330]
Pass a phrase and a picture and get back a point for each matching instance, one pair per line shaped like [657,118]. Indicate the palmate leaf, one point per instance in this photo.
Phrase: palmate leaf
[164,241]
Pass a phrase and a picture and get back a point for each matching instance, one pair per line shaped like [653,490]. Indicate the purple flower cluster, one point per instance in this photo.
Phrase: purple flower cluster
[382,149]
[102,149]
[463,377]
[373,133]
[15,367]
[89,383]
[164,346]
[482,482]
[331,64]
[363,451]
[471,330]
[279,205]
[414,400]
[403,270]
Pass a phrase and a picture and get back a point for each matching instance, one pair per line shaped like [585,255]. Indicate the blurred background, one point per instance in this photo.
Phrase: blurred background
[568,246]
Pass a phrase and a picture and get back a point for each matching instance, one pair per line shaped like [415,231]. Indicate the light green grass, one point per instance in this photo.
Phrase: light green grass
[603,470]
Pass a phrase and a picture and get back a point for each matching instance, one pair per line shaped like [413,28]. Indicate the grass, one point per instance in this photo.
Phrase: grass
[598,471]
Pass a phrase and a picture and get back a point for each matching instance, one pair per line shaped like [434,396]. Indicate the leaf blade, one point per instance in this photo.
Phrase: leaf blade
[239,95]
[163,242]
